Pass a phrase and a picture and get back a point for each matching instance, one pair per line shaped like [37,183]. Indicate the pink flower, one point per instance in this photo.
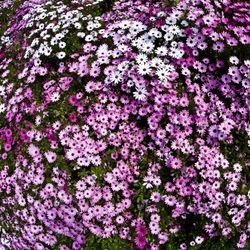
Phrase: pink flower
[140,242]
[33,150]
[50,156]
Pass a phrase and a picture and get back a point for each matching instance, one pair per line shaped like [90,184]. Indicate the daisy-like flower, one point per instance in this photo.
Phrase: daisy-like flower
[155,196]
[147,47]
[232,186]
[174,29]
[71,154]
[157,63]
[161,51]
[144,69]
[199,240]
[81,34]
[140,94]
[119,219]
[140,242]
[170,200]
[124,24]
[62,45]
[216,217]
[123,66]
[142,58]
[234,60]
[168,36]
[162,74]
[33,150]
[170,20]
[50,156]
[55,97]
[61,55]
[247,63]
[176,52]
[237,167]
[2,107]
[116,77]
[2,90]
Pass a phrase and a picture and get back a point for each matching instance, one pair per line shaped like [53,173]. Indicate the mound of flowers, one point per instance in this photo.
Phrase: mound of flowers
[125,124]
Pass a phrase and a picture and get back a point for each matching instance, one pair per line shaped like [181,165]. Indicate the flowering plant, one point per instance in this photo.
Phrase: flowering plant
[125,124]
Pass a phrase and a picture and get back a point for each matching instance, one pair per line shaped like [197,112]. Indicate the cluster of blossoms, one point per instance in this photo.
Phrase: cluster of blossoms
[129,124]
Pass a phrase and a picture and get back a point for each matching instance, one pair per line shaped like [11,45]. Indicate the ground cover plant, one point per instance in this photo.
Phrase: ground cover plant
[124,124]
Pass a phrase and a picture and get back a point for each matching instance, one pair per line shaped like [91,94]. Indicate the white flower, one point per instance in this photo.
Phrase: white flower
[123,66]
[116,77]
[2,90]
[169,67]
[102,50]
[155,32]
[56,125]
[38,120]
[144,69]
[191,42]
[77,25]
[147,47]
[34,42]
[247,63]
[186,72]
[170,20]
[130,83]
[45,113]
[246,84]
[81,34]
[48,51]
[138,26]
[234,60]
[176,53]
[135,42]
[157,63]
[174,29]
[116,53]
[237,167]
[147,185]
[41,26]
[124,24]
[184,23]
[176,14]
[64,32]
[174,44]
[162,74]
[43,34]
[169,36]
[90,26]
[141,58]
[161,14]
[97,24]
[50,26]
[2,107]
[42,49]
[55,28]
[164,27]
[62,45]
[123,47]
[60,55]
[89,38]
[199,240]
[59,36]
[37,62]
[55,97]
[161,51]
[140,94]
[3,239]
